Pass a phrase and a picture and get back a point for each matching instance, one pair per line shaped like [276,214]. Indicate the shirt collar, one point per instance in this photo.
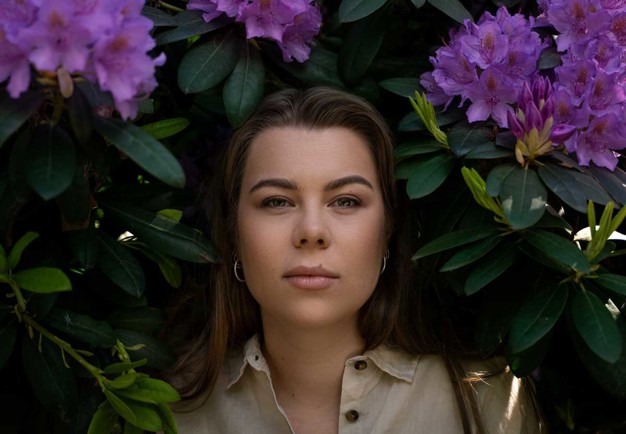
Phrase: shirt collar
[392,361]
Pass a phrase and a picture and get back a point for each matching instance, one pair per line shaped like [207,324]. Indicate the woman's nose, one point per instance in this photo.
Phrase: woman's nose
[311,230]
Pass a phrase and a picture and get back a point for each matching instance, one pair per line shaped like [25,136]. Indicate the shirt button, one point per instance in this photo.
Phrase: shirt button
[360,365]
[352,415]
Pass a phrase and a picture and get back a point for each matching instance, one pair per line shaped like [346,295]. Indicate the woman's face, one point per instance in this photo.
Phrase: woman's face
[311,225]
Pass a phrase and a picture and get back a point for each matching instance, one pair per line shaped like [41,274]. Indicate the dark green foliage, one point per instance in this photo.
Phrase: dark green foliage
[101,225]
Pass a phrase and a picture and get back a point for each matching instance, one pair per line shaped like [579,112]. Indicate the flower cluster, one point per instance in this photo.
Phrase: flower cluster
[486,62]
[589,91]
[291,23]
[105,41]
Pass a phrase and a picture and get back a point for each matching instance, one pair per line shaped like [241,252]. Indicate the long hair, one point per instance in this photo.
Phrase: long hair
[226,315]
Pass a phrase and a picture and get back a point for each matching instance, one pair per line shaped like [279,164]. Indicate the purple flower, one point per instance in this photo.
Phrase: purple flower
[454,72]
[606,93]
[576,20]
[487,46]
[487,62]
[298,36]
[269,18]
[533,122]
[214,8]
[577,77]
[490,96]
[57,38]
[436,95]
[598,142]
[16,15]
[14,66]
[207,7]
[123,67]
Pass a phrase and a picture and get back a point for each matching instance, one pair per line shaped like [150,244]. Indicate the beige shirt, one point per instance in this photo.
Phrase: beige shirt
[383,391]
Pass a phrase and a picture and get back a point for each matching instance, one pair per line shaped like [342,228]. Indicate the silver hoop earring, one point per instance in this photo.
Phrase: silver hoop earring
[385,257]
[237,266]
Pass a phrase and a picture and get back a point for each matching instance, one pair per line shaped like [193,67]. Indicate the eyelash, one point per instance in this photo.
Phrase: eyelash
[271,202]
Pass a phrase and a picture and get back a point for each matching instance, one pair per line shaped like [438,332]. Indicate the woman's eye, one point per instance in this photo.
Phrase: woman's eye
[346,202]
[276,202]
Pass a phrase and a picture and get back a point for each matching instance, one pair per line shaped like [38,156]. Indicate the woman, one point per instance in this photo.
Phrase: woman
[313,327]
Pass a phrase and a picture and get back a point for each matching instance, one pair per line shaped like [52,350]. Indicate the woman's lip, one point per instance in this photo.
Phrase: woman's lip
[311,282]
[302,270]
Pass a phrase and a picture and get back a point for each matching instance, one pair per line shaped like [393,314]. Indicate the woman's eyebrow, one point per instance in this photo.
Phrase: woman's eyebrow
[275,182]
[352,179]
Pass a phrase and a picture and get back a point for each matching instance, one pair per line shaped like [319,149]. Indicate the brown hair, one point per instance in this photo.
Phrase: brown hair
[227,315]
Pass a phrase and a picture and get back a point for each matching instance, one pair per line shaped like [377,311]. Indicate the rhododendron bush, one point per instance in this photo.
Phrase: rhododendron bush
[509,119]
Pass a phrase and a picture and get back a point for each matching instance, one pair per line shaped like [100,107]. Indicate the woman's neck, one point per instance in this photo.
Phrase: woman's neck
[307,369]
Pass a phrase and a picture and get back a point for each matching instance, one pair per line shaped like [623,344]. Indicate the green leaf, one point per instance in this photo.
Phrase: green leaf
[150,390]
[52,162]
[244,87]
[452,8]
[412,122]
[8,335]
[143,149]
[525,362]
[428,174]
[53,383]
[612,181]
[163,234]
[147,415]
[573,187]
[361,44]
[103,419]
[82,327]
[84,246]
[119,265]
[537,316]
[142,319]
[167,417]
[559,249]
[471,253]
[487,270]
[523,198]
[120,406]
[159,355]
[166,127]
[611,376]
[123,381]
[417,147]
[488,151]
[352,10]
[117,368]
[206,64]
[402,86]
[14,112]
[320,70]
[464,137]
[75,203]
[43,280]
[16,251]
[129,428]
[614,282]
[79,112]
[538,255]
[190,23]
[418,3]
[455,239]
[596,326]
[158,17]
